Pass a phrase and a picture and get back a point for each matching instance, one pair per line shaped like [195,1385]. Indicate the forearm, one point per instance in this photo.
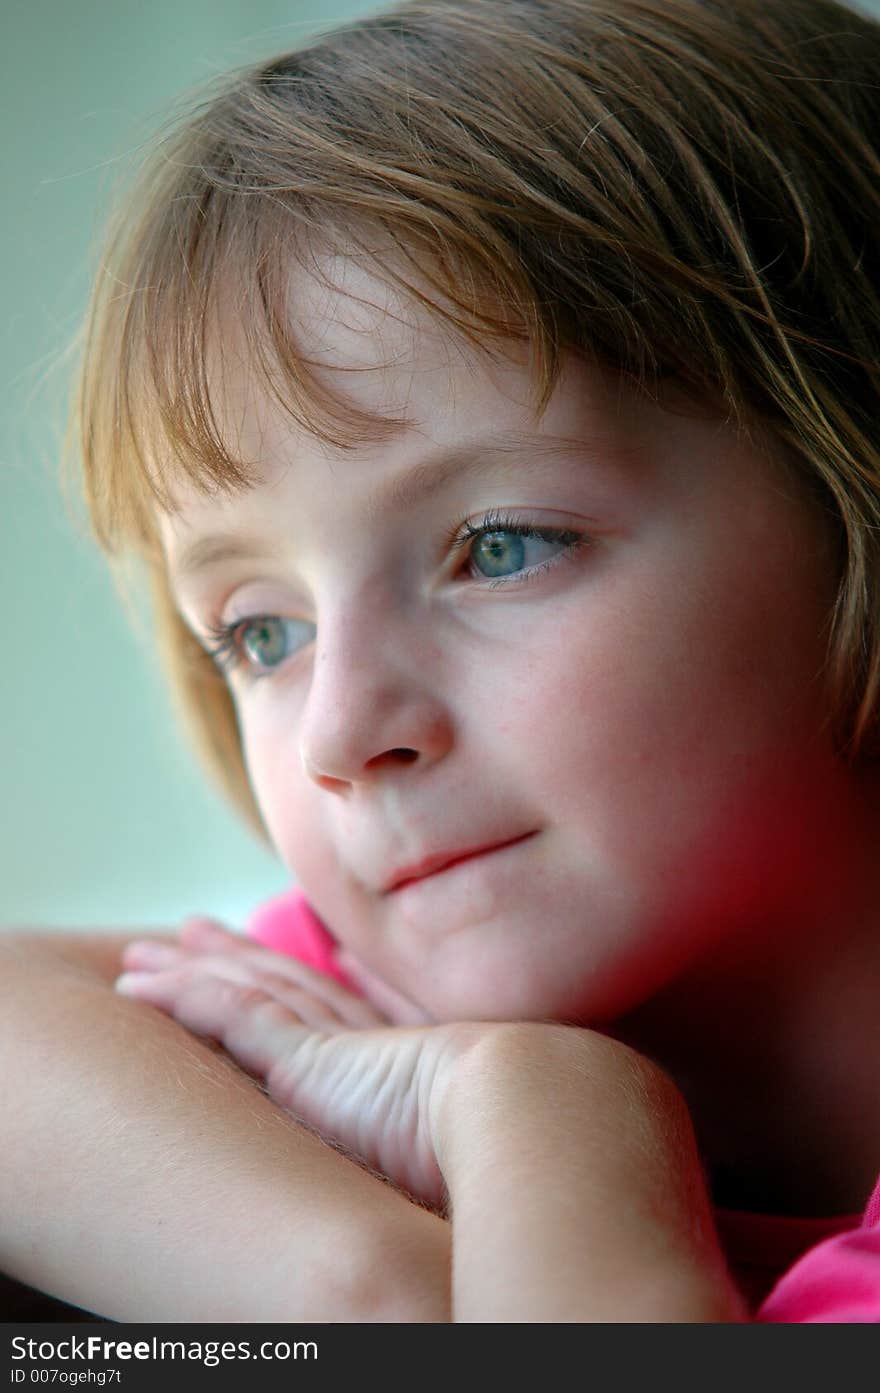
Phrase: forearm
[565,1206]
[144,1177]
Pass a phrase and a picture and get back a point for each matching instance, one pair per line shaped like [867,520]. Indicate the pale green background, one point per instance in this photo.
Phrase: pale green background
[106,819]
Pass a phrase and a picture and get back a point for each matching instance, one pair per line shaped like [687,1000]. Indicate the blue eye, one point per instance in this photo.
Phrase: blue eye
[503,548]
[500,549]
[259,640]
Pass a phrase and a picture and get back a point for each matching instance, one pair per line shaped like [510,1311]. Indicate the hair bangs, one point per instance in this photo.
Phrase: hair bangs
[681,191]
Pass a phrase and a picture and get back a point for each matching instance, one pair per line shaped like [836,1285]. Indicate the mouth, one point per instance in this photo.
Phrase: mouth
[431,866]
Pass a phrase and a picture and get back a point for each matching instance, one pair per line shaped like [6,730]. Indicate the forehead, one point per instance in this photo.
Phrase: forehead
[371,347]
[350,319]
[376,347]
[367,341]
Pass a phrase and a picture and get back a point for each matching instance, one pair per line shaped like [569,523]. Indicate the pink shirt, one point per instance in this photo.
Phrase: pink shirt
[791,1270]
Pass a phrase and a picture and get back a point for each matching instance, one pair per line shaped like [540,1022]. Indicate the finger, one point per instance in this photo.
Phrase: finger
[254,1027]
[311,1009]
[203,935]
[284,977]
[146,953]
[394,1007]
[197,930]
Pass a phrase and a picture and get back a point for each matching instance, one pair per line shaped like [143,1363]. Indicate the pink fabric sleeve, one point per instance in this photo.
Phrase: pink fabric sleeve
[838,1281]
[288,924]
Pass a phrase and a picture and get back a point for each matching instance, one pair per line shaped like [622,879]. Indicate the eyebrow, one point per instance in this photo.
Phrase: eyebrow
[420,482]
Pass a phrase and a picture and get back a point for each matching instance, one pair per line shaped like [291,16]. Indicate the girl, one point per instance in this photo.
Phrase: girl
[489,392]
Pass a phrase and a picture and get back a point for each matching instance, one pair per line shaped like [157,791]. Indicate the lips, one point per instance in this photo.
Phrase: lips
[441,861]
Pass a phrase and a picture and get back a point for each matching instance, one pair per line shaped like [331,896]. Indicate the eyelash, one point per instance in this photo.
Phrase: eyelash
[224,646]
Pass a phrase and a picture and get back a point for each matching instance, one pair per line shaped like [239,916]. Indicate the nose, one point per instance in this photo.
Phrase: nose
[373,707]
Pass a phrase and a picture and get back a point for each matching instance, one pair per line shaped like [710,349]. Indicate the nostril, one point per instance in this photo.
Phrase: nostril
[407,755]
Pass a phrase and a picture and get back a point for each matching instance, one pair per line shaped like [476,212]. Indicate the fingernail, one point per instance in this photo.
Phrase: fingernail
[153,954]
[130,983]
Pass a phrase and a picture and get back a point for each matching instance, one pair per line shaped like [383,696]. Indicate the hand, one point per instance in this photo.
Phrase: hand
[568,1159]
[325,1055]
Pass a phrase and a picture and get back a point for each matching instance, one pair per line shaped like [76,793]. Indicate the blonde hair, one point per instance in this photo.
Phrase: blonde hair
[684,190]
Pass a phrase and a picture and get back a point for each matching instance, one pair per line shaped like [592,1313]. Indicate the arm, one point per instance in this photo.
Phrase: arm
[569,1160]
[136,1160]
[575,1185]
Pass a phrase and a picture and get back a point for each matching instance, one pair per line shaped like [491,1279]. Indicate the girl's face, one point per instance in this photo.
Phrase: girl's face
[592,642]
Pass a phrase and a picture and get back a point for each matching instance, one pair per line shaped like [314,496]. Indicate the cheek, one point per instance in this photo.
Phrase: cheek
[290,804]
[675,717]
[664,726]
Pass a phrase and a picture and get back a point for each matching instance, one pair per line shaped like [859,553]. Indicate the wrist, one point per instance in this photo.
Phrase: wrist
[497,1076]
[570,1161]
